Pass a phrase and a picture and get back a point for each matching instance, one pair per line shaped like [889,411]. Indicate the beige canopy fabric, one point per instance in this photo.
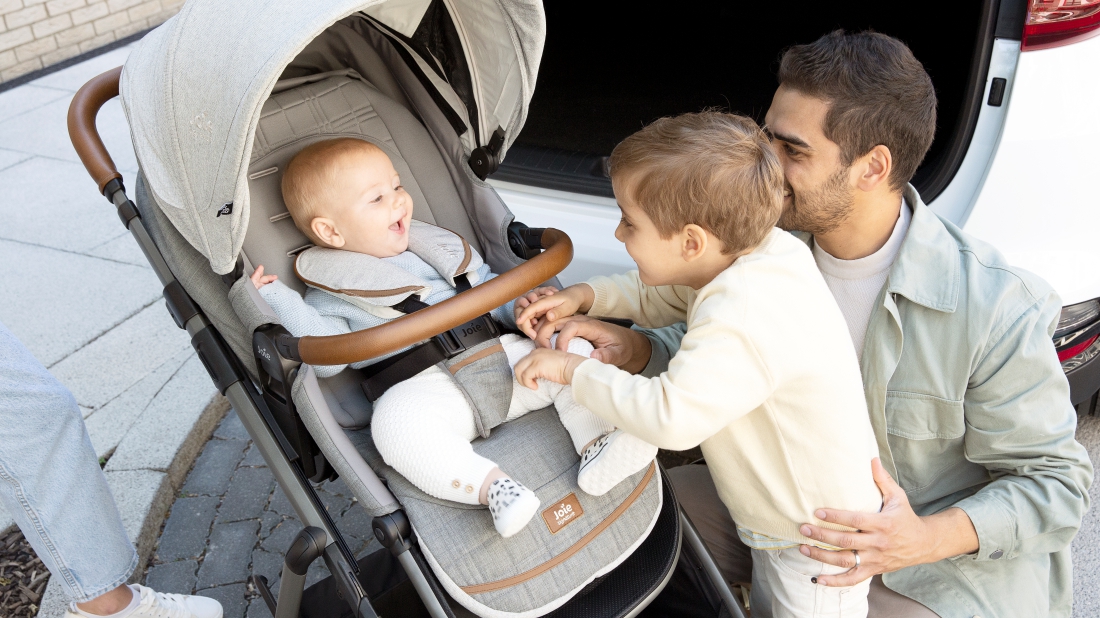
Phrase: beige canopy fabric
[193,88]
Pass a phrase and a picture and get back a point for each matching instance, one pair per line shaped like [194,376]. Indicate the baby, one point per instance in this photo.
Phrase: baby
[766,378]
[346,196]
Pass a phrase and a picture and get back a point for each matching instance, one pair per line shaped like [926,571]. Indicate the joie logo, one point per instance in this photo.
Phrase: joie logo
[469,330]
[565,512]
[264,353]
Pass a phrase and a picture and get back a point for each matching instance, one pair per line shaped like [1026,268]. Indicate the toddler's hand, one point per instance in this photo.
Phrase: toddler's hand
[259,279]
[553,365]
[573,299]
[524,301]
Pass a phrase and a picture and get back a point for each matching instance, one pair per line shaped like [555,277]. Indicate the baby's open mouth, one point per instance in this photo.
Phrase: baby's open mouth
[398,227]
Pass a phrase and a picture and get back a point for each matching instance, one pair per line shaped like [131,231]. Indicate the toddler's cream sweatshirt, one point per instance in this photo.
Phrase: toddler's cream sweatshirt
[766,380]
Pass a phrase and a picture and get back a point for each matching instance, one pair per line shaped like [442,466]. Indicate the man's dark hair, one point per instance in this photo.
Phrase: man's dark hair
[878,93]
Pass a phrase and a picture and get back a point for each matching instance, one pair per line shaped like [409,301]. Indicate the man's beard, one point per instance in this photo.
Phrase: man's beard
[822,210]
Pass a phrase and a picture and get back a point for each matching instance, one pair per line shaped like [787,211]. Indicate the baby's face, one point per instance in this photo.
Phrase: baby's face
[371,211]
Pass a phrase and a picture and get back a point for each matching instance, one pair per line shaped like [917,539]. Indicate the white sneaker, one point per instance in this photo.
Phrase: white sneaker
[512,505]
[611,459]
[153,604]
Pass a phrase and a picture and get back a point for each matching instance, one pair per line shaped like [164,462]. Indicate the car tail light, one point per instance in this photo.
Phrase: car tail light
[1075,337]
[1051,23]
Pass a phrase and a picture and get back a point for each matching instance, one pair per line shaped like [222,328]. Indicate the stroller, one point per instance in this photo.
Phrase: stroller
[219,99]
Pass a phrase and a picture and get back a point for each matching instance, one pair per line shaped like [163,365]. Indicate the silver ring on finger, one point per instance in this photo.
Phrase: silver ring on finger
[856,554]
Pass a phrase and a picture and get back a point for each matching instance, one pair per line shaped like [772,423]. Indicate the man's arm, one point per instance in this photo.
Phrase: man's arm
[1020,427]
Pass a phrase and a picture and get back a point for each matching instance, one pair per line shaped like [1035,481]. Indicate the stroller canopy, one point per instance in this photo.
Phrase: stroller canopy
[194,87]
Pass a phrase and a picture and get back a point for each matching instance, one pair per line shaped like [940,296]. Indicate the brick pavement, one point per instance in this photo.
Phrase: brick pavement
[230,522]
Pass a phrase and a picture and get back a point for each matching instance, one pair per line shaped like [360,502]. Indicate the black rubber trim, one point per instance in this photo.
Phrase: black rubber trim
[1011,19]
[930,182]
[127,213]
[1084,381]
[179,303]
[215,356]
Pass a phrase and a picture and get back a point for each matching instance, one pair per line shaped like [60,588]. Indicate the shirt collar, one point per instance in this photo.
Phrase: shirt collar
[926,270]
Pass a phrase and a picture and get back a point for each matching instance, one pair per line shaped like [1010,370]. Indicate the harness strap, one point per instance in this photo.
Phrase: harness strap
[385,374]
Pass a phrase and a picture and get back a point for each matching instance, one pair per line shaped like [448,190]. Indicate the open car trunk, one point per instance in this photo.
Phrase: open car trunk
[611,67]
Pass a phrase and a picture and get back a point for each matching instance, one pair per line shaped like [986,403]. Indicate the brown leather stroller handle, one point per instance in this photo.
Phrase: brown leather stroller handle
[82,130]
[459,309]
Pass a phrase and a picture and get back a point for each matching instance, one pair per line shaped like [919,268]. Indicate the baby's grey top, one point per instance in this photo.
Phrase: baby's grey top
[323,314]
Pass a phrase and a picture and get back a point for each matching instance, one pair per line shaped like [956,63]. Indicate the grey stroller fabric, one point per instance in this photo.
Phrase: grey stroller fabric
[193,90]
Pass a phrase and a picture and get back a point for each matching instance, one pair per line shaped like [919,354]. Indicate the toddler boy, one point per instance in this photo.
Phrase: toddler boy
[766,379]
[346,196]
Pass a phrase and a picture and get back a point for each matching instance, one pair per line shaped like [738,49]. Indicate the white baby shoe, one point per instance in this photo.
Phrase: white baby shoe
[149,603]
[612,458]
[512,505]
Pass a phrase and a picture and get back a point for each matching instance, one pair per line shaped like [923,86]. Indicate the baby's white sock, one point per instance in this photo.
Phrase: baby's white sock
[511,504]
[612,458]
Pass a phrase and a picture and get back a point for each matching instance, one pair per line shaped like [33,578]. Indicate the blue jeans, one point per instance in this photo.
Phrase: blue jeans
[50,480]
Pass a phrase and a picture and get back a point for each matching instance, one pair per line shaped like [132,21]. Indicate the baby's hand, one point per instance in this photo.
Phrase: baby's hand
[258,278]
[553,365]
[523,301]
[573,299]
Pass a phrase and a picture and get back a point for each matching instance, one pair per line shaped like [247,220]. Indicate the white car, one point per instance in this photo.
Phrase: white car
[1013,161]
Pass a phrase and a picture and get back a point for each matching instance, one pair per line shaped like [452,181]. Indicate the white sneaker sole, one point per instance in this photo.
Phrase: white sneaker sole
[611,460]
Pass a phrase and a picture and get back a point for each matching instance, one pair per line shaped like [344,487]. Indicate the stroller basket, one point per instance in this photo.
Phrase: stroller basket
[368,71]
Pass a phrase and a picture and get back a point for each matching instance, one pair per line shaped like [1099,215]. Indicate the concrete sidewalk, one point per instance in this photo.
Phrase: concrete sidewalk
[79,293]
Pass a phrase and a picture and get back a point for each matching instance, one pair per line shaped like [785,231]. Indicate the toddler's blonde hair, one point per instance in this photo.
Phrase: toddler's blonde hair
[713,169]
[309,177]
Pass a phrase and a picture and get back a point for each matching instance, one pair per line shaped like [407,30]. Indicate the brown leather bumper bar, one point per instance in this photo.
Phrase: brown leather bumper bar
[418,326]
[82,130]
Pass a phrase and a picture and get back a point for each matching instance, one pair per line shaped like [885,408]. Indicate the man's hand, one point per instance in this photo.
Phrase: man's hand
[259,279]
[553,365]
[894,538]
[573,299]
[625,348]
[524,301]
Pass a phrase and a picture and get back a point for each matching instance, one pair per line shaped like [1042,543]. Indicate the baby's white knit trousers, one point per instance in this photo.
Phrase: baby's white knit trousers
[423,426]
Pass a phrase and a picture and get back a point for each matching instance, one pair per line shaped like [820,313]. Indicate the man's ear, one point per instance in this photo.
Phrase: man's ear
[326,231]
[693,242]
[874,168]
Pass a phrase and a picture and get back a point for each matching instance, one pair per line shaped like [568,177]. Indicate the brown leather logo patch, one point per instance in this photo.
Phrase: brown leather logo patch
[563,513]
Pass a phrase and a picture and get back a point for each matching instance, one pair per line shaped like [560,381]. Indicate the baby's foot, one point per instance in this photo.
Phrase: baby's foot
[512,505]
[612,458]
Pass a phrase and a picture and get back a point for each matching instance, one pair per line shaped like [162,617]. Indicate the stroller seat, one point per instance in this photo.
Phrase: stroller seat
[539,568]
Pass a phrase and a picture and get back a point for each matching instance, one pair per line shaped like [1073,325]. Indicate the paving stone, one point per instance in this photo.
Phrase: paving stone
[79,218]
[19,100]
[228,554]
[173,577]
[337,487]
[282,536]
[9,158]
[268,521]
[253,458]
[122,248]
[123,356]
[187,528]
[232,597]
[72,78]
[356,522]
[317,571]
[257,608]
[281,504]
[108,425]
[231,428]
[334,504]
[39,132]
[174,426]
[70,305]
[270,565]
[214,468]
[249,491]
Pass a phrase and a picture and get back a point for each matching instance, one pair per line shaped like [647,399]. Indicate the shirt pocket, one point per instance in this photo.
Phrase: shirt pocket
[926,438]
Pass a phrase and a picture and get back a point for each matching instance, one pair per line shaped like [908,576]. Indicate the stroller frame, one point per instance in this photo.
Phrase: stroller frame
[266,410]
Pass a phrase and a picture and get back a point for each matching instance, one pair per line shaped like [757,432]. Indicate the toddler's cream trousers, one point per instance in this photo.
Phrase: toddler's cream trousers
[423,426]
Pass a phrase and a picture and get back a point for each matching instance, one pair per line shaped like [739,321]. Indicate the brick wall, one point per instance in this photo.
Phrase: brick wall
[37,33]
